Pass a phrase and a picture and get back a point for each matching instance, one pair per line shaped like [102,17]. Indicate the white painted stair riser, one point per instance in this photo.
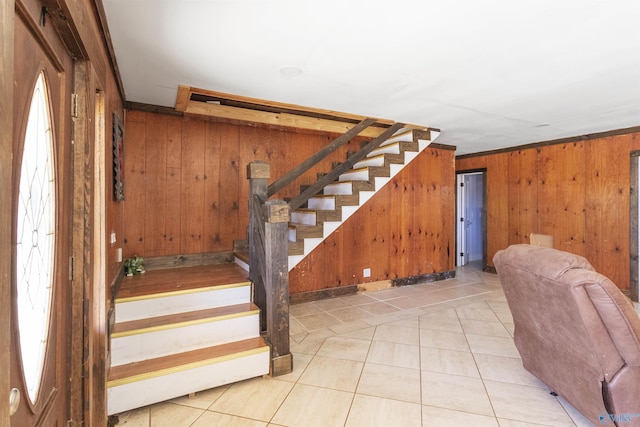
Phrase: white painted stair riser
[149,345]
[339,188]
[173,303]
[158,389]
[322,203]
[355,175]
[303,217]
[370,161]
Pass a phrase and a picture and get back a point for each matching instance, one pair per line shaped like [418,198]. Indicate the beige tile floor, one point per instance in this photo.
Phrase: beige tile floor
[435,354]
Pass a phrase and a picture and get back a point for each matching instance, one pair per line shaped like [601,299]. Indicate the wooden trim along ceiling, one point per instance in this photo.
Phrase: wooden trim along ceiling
[204,102]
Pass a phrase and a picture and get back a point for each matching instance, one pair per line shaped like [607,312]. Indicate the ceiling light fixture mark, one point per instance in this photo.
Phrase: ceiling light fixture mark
[291,71]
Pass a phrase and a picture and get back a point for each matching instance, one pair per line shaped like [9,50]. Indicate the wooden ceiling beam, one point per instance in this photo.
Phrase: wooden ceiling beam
[243,108]
[277,119]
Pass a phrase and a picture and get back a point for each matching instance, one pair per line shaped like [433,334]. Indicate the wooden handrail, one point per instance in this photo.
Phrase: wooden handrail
[343,167]
[288,178]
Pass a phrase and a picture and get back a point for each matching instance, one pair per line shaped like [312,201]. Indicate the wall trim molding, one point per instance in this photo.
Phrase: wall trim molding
[578,138]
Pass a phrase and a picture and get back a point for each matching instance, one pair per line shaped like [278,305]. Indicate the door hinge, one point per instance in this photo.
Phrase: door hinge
[71,268]
[461,253]
[74,105]
[461,219]
[462,184]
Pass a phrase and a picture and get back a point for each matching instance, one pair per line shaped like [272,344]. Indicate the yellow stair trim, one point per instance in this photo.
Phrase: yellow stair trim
[182,292]
[186,367]
[183,324]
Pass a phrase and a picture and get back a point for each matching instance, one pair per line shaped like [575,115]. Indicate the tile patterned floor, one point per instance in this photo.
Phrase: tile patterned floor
[436,354]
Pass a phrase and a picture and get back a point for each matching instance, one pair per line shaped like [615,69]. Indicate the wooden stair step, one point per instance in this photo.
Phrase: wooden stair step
[142,339]
[329,215]
[141,326]
[176,362]
[304,231]
[296,248]
[150,381]
[180,279]
[177,290]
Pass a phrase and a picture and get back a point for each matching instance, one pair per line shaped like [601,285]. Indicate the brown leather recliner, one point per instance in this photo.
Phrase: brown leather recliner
[575,331]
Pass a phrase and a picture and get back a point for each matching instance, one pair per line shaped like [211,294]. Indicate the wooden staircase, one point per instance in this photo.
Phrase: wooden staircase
[325,212]
[183,330]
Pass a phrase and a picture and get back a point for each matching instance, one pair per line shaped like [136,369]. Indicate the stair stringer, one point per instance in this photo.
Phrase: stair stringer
[379,182]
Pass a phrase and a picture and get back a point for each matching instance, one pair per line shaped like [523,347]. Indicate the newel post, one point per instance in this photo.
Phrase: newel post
[276,214]
[269,265]
[258,174]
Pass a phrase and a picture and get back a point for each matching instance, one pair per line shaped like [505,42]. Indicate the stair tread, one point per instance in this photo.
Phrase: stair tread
[159,322]
[323,196]
[299,224]
[181,279]
[176,362]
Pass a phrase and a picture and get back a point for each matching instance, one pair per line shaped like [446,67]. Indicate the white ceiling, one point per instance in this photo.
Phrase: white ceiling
[489,73]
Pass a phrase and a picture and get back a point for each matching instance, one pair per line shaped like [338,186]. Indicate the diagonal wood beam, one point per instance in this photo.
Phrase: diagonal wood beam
[287,179]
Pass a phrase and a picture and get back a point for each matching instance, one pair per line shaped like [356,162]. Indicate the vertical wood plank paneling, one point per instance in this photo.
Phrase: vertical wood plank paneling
[547,190]
[173,229]
[513,198]
[213,182]
[448,203]
[528,194]
[406,237]
[134,184]
[570,186]
[192,195]
[582,199]
[432,178]
[229,226]
[155,184]
[401,250]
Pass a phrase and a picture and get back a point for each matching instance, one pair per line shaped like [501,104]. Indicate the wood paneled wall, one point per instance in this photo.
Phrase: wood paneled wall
[186,192]
[405,230]
[186,189]
[577,191]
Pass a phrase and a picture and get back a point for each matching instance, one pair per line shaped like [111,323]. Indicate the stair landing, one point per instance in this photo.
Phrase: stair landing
[181,279]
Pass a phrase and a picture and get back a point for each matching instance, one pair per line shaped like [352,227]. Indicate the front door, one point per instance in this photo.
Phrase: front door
[41,231]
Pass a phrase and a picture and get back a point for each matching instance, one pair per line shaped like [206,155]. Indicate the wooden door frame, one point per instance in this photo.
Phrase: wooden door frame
[485,201]
[634,238]
[7,15]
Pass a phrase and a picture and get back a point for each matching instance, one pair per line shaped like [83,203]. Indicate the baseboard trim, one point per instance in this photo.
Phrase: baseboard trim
[309,296]
[424,278]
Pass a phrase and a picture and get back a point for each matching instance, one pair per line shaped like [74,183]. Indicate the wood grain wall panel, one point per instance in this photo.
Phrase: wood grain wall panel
[391,215]
[155,181]
[216,203]
[582,199]
[134,185]
[193,188]
[194,194]
[570,218]
[174,186]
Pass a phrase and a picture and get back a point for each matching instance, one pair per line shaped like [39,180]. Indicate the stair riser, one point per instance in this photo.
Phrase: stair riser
[157,389]
[339,188]
[373,161]
[306,218]
[356,175]
[133,348]
[181,303]
[322,203]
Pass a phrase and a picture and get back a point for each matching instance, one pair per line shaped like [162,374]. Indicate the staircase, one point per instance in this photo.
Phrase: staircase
[325,212]
[183,330]
[180,331]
